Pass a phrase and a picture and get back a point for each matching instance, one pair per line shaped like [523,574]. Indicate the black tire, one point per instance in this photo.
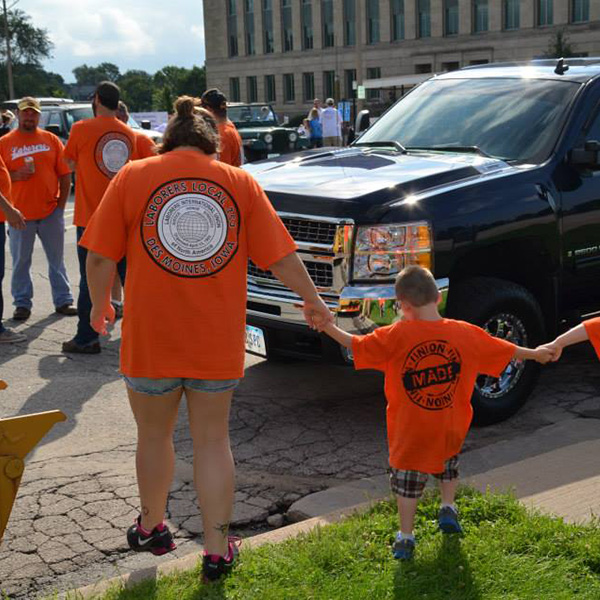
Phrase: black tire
[487,302]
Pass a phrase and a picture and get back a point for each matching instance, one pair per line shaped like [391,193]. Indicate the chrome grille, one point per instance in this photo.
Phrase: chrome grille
[317,232]
[321,273]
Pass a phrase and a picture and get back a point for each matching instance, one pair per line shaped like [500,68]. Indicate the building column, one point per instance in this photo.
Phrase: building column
[259,37]
[241,29]
[297,25]
[594,10]
[277,32]
[561,12]
[437,18]
[385,25]
[465,17]
[495,15]
[527,14]
[317,19]
[410,19]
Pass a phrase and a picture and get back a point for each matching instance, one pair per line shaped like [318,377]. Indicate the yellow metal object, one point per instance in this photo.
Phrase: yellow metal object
[18,437]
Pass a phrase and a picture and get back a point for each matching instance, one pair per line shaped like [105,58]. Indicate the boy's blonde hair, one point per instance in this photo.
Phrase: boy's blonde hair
[416,286]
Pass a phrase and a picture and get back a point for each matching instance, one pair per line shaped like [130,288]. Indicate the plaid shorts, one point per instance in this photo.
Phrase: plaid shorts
[410,484]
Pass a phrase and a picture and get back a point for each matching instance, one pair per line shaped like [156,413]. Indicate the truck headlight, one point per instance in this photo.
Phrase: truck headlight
[268,138]
[293,137]
[382,251]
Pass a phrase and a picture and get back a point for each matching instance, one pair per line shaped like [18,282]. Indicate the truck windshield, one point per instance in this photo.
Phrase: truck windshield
[246,116]
[511,119]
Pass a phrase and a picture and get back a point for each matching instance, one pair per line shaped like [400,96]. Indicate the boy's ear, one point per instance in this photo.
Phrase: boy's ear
[439,299]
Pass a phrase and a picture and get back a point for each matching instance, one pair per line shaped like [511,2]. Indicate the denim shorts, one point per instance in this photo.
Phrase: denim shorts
[160,387]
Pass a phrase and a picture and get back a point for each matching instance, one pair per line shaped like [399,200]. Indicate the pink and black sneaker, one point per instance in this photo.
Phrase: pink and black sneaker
[159,541]
[214,566]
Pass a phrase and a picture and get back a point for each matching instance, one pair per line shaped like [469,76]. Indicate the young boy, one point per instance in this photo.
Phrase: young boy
[430,365]
[588,330]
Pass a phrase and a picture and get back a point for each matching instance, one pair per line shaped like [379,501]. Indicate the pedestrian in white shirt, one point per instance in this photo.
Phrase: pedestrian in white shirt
[332,124]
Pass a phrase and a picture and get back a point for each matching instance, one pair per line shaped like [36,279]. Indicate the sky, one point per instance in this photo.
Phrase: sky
[133,34]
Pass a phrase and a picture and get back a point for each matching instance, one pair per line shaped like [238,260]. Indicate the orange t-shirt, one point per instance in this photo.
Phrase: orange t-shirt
[187,225]
[430,371]
[144,146]
[36,197]
[592,327]
[231,144]
[99,147]
[5,186]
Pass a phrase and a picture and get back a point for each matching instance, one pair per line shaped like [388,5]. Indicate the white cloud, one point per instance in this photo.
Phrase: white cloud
[133,34]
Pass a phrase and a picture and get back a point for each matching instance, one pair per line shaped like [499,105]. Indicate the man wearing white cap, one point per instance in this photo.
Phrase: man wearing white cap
[332,124]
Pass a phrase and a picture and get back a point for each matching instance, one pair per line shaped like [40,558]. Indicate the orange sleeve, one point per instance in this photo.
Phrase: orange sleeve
[106,232]
[145,146]
[268,239]
[5,183]
[61,166]
[231,146]
[71,147]
[592,328]
[371,351]
[493,354]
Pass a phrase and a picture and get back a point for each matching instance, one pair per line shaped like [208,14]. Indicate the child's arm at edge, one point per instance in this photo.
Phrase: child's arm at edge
[340,336]
[574,336]
[541,354]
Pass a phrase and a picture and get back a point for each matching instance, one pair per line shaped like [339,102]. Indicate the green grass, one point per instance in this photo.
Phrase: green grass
[506,553]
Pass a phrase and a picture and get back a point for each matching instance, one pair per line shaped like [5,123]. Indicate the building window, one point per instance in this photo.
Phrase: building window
[580,11]
[232,39]
[544,12]
[372,21]
[423,18]
[480,16]
[252,89]
[308,86]
[374,73]
[349,79]
[451,17]
[289,91]
[423,68]
[327,18]
[249,25]
[349,22]
[329,84]
[270,95]
[397,20]
[450,66]
[286,25]
[269,39]
[307,28]
[234,89]
[479,61]
[512,9]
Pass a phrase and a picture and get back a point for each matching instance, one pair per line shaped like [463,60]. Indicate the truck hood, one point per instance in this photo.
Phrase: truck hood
[367,176]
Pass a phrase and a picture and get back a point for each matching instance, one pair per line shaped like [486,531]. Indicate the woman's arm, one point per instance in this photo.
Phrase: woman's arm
[100,275]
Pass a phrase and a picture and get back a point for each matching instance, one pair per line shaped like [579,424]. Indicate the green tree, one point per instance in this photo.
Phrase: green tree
[28,44]
[171,82]
[559,46]
[137,89]
[88,75]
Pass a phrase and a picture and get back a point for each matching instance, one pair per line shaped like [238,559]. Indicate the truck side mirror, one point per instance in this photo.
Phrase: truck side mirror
[145,124]
[55,129]
[363,120]
[588,156]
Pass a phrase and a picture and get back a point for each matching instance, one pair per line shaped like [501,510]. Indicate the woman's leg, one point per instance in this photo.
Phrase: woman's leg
[156,417]
[214,470]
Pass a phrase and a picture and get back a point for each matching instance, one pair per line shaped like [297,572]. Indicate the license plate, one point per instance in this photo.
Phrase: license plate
[273,155]
[255,341]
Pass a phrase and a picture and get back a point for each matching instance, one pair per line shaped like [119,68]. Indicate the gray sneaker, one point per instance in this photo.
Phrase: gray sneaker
[8,336]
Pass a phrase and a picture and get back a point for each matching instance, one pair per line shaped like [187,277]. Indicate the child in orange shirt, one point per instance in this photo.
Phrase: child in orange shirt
[588,330]
[430,365]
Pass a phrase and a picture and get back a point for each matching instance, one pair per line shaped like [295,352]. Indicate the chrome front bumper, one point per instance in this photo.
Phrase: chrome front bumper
[358,309]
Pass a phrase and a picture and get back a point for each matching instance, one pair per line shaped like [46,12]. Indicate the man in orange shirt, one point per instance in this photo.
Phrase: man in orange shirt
[15,219]
[430,367]
[41,185]
[144,144]
[230,141]
[97,149]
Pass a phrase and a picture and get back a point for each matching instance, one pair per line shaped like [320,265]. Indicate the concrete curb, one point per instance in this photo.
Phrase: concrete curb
[186,563]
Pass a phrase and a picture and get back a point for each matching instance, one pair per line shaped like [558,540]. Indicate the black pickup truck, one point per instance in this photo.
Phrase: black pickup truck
[489,176]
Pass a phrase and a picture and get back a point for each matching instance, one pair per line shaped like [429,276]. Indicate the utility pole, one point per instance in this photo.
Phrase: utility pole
[11,86]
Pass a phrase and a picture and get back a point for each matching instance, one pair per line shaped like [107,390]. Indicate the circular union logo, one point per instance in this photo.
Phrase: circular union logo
[190,227]
[113,151]
[431,373]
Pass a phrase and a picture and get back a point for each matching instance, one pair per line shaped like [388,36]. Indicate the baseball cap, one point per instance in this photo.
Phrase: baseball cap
[330,101]
[213,98]
[29,102]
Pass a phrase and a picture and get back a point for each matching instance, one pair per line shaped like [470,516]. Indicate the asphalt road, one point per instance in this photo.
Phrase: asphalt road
[296,428]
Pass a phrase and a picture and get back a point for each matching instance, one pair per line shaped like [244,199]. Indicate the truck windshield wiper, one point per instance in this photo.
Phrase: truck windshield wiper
[382,144]
[469,149]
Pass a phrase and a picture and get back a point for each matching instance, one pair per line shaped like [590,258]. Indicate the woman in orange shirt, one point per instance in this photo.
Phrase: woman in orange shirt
[187,225]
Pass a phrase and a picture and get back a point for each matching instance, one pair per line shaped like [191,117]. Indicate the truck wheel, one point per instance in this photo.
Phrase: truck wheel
[509,311]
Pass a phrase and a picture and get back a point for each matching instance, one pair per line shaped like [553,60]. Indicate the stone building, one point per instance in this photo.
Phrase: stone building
[288,52]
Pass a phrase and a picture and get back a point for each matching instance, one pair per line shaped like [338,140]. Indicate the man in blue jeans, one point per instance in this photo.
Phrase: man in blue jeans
[41,182]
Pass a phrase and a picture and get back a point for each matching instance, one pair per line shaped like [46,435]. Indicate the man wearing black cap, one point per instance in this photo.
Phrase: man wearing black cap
[230,141]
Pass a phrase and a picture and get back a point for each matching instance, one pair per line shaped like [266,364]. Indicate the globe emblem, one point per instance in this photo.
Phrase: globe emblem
[192,227]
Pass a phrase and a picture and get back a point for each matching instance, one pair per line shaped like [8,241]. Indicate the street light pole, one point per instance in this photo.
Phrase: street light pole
[11,86]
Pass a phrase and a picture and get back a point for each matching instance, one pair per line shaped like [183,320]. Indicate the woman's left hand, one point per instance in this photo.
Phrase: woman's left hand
[100,317]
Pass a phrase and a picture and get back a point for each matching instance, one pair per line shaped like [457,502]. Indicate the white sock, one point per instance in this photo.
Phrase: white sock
[452,506]
[405,536]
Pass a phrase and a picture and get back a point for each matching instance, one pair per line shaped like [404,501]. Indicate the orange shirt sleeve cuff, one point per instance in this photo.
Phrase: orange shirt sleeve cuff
[592,328]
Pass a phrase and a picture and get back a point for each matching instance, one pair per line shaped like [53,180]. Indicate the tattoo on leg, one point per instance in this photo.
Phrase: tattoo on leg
[145,511]
[223,528]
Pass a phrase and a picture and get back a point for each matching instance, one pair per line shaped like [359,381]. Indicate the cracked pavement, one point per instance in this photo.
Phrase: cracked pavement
[296,428]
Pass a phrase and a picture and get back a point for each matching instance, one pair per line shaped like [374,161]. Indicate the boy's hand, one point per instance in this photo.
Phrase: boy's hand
[555,349]
[545,354]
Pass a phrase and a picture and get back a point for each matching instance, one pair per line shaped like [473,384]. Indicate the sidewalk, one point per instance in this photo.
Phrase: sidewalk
[554,470]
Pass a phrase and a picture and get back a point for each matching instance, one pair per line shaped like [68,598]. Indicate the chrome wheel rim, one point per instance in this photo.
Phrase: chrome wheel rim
[508,327]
